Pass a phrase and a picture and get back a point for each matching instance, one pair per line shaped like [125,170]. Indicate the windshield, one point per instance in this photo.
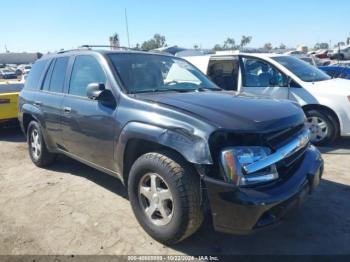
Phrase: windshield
[301,69]
[157,73]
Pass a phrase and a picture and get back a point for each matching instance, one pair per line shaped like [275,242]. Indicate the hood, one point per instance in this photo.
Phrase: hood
[334,86]
[226,110]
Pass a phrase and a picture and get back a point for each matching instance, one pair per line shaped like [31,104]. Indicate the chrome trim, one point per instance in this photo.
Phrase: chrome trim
[285,151]
[259,178]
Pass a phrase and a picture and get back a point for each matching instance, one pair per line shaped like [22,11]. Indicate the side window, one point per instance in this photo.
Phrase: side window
[35,74]
[224,73]
[86,70]
[258,73]
[59,74]
[46,84]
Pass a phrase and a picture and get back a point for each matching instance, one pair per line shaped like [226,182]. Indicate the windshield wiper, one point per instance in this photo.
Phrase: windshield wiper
[202,89]
[180,90]
[156,90]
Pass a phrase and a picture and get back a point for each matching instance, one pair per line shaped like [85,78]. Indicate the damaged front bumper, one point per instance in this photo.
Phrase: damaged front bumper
[241,210]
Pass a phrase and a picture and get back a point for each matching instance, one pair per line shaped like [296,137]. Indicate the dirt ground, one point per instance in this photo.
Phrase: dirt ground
[70,208]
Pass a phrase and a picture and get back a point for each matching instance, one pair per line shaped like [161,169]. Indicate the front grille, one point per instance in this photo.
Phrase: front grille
[290,164]
[281,137]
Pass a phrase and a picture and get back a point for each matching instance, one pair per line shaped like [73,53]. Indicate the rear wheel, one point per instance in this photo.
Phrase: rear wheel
[164,193]
[36,145]
[323,127]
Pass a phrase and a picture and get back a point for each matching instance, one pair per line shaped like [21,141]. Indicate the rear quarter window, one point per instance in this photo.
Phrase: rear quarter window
[34,77]
[59,74]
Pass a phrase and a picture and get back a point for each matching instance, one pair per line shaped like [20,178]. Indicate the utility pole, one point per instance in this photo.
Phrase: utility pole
[127,28]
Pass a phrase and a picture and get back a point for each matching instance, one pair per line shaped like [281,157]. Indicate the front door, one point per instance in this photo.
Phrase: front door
[88,127]
[261,78]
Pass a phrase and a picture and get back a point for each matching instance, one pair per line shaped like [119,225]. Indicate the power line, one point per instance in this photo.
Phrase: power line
[127,28]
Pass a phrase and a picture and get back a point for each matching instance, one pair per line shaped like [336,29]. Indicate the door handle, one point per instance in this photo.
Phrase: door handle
[37,103]
[67,110]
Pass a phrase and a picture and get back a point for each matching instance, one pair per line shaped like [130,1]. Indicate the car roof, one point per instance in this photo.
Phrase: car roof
[258,55]
[99,51]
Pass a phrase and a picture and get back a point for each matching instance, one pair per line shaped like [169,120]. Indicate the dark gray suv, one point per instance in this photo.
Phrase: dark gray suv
[181,145]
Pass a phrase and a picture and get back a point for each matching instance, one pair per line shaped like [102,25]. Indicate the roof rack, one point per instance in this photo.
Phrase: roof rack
[107,46]
[89,47]
[70,50]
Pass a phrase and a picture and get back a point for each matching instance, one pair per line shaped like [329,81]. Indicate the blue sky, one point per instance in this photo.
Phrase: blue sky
[39,25]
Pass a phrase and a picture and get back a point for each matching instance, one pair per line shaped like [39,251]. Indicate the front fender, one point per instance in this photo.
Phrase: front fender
[193,148]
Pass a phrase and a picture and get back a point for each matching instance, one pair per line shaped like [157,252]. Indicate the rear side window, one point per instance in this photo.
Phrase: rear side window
[35,75]
[46,84]
[86,70]
[58,75]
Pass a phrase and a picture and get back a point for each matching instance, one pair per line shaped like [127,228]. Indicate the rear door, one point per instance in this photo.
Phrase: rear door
[51,97]
[261,78]
[88,126]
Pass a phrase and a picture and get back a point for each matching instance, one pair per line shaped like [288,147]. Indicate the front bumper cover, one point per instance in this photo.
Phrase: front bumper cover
[241,210]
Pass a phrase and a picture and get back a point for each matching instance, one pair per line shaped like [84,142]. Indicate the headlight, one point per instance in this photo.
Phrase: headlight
[234,160]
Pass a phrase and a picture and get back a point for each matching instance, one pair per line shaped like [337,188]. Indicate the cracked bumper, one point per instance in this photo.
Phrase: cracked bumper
[242,210]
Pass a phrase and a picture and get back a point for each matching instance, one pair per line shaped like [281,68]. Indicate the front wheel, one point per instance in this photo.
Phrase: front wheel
[323,127]
[164,193]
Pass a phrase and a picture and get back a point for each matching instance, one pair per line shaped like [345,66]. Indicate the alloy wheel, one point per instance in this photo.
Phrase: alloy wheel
[318,128]
[35,144]
[156,199]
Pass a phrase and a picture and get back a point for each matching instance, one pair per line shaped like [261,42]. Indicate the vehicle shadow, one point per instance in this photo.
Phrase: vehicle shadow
[11,133]
[70,166]
[341,146]
[320,226]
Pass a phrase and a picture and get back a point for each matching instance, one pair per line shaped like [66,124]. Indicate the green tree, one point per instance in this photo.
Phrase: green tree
[196,47]
[268,46]
[348,41]
[245,40]
[217,47]
[229,44]
[282,46]
[156,42]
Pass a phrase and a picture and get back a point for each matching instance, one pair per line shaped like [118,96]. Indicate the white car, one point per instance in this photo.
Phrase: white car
[326,101]
[342,53]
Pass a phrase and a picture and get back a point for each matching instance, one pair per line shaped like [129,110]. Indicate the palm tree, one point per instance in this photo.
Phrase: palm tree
[114,41]
[245,40]
[229,43]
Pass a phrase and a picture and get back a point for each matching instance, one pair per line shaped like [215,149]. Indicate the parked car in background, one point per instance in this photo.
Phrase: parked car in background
[341,63]
[180,144]
[322,54]
[324,100]
[308,59]
[7,74]
[25,69]
[341,53]
[9,102]
[295,52]
[337,71]
[313,60]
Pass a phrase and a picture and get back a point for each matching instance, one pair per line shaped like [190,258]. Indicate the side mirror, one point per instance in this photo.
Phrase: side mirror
[98,91]
[94,90]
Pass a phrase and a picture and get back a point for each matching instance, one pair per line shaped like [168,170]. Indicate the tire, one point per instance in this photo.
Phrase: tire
[185,211]
[38,152]
[330,130]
